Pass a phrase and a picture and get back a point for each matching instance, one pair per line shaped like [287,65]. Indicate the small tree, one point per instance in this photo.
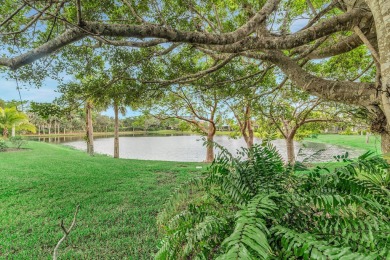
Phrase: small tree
[10,117]
[197,108]
[290,111]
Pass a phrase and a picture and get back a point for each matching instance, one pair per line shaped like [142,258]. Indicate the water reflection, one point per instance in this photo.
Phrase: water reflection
[189,148]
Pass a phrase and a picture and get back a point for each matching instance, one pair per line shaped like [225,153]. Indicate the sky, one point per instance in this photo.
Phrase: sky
[46,93]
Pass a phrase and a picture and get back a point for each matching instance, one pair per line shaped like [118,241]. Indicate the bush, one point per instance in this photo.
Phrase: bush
[3,145]
[17,141]
[254,207]
[347,131]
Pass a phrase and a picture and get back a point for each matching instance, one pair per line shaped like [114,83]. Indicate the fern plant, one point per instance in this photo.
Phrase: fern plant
[254,207]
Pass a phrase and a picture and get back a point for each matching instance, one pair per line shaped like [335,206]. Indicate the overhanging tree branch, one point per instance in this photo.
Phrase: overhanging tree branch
[362,94]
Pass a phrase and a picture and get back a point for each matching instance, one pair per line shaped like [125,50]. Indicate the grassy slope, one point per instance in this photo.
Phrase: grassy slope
[354,141]
[119,200]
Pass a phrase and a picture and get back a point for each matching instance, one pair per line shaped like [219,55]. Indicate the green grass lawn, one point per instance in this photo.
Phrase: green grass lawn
[354,141]
[119,200]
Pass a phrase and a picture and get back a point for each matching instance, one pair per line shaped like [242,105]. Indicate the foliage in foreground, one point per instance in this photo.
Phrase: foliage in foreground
[17,141]
[3,145]
[254,207]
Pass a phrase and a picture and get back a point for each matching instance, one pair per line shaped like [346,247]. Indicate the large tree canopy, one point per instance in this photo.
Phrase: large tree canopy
[263,32]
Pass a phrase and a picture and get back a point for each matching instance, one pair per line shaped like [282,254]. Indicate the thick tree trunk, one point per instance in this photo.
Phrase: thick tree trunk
[210,145]
[385,142]
[250,134]
[381,12]
[116,131]
[89,128]
[246,127]
[210,148]
[290,150]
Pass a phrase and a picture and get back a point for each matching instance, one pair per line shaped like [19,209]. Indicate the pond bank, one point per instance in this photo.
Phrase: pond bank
[353,141]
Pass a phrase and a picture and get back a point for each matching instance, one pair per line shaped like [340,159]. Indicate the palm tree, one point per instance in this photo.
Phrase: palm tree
[11,118]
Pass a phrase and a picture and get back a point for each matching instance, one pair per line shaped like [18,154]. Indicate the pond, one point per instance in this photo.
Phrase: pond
[189,148]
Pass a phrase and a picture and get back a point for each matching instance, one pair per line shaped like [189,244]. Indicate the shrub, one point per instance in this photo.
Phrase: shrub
[17,141]
[347,131]
[3,145]
[254,207]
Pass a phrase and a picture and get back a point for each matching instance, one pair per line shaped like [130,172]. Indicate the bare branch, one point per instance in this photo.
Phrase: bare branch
[66,232]
[195,76]
[134,13]
[217,18]
[342,22]
[138,31]
[320,14]
[130,43]
[312,9]
[78,8]
[204,18]
[363,72]
[364,94]
[34,19]
[160,15]
[364,39]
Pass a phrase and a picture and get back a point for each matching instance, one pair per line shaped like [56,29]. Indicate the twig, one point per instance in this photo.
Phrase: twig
[13,14]
[66,232]
[79,18]
[364,39]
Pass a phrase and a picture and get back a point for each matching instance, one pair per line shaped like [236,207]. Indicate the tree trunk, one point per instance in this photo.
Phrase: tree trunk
[250,134]
[39,129]
[290,150]
[246,127]
[49,128]
[210,148]
[367,137]
[5,132]
[385,142]
[381,12]
[89,128]
[13,130]
[210,144]
[116,131]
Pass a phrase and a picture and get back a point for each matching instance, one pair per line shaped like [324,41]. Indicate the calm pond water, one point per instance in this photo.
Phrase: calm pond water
[189,148]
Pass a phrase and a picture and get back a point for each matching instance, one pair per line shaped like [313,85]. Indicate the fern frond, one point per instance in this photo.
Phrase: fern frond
[250,234]
[307,246]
